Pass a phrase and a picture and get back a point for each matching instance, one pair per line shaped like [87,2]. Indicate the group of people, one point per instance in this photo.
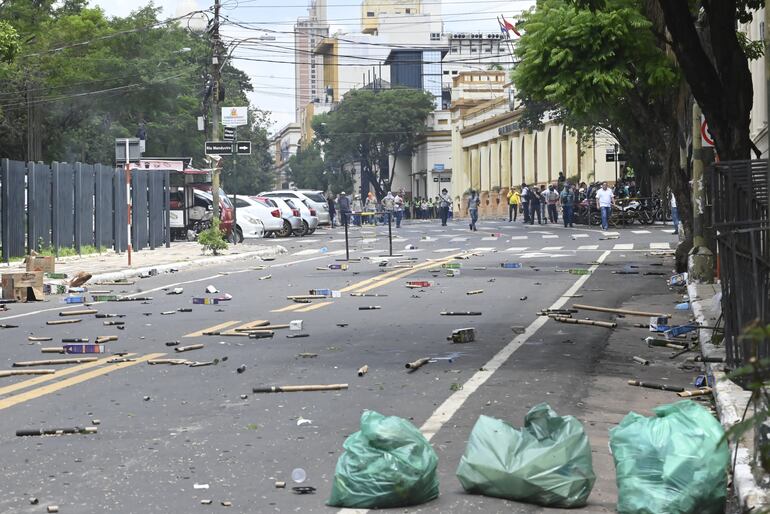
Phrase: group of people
[427,208]
[370,211]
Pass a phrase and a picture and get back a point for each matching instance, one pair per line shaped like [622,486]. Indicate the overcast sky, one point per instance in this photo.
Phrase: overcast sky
[274,82]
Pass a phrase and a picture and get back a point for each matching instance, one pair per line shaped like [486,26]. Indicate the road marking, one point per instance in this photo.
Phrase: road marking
[551,248]
[611,233]
[59,373]
[482,249]
[57,386]
[309,251]
[314,307]
[292,307]
[489,238]
[575,236]
[517,249]
[624,246]
[253,324]
[514,238]
[588,247]
[215,328]
[640,232]
[550,236]
[405,273]
[458,239]
[445,250]
[660,246]
[451,405]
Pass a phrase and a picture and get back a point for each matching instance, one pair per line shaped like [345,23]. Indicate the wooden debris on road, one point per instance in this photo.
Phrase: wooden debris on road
[418,363]
[605,324]
[363,370]
[696,392]
[652,385]
[63,321]
[180,349]
[17,372]
[78,360]
[627,312]
[299,388]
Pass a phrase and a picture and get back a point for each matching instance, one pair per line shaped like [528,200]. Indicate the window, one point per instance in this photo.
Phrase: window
[239,202]
[454,49]
[408,10]
[446,72]
[370,14]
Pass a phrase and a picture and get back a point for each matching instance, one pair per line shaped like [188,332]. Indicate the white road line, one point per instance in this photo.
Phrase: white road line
[489,238]
[518,249]
[515,238]
[482,249]
[611,233]
[551,236]
[310,251]
[445,250]
[458,239]
[624,246]
[551,248]
[660,246]
[588,247]
[640,232]
[575,236]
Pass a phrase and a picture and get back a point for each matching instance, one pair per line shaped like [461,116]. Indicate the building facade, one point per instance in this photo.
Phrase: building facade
[284,144]
[308,67]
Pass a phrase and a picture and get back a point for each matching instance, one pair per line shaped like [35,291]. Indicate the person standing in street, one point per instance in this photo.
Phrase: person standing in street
[534,205]
[604,201]
[552,197]
[344,203]
[371,208]
[473,209]
[544,203]
[514,199]
[444,201]
[332,209]
[356,208]
[398,202]
[525,196]
[567,204]
[674,214]
[388,206]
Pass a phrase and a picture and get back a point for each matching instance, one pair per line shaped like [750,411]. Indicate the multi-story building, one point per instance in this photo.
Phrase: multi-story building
[284,144]
[755,30]
[308,67]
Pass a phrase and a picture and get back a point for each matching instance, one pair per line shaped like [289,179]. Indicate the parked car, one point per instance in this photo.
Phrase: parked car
[292,222]
[251,214]
[309,219]
[313,198]
[199,214]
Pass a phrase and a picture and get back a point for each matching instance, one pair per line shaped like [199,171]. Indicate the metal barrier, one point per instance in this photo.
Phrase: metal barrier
[74,205]
[739,200]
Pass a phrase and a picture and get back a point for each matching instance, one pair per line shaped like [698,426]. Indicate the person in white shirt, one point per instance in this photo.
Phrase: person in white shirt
[674,214]
[604,201]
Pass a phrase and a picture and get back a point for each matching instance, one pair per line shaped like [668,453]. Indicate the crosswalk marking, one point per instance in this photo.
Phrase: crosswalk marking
[483,249]
[215,328]
[517,249]
[445,250]
[624,246]
[489,238]
[515,238]
[458,239]
[314,307]
[660,246]
[575,236]
[550,236]
[551,248]
[610,234]
[310,251]
[588,247]
[640,232]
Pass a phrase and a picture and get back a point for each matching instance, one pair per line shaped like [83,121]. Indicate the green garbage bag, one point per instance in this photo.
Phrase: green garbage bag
[388,463]
[672,463]
[548,462]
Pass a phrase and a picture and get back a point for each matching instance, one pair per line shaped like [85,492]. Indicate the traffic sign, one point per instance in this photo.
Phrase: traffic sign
[229,134]
[218,147]
[705,135]
[235,116]
[243,148]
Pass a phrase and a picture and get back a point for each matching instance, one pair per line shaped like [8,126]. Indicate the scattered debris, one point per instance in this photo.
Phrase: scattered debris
[181,349]
[55,431]
[176,290]
[39,338]
[652,385]
[307,355]
[463,335]
[17,372]
[78,360]
[605,324]
[510,265]
[642,361]
[369,308]
[363,370]
[299,388]
[63,321]
[418,363]
[461,313]
[619,311]
[279,484]
[302,421]
[205,301]
[475,291]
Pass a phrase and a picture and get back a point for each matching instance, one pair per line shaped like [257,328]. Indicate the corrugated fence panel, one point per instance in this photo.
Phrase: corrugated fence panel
[63,205]
[39,205]
[84,205]
[139,217]
[167,208]
[12,205]
[120,210]
[156,211]
[103,201]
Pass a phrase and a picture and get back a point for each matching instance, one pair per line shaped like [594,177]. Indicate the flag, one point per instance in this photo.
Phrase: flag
[502,27]
[510,26]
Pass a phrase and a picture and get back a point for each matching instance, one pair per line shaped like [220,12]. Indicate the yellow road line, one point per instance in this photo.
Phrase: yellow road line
[314,307]
[292,307]
[215,328]
[59,373]
[62,384]
[254,324]
[405,273]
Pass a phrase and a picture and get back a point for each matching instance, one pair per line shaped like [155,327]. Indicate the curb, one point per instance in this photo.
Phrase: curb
[730,400]
[271,251]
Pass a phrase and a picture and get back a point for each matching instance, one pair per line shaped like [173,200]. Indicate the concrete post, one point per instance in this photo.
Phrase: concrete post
[700,261]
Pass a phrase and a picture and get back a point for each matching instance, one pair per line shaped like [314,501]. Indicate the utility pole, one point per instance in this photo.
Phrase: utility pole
[216,76]
[701,260]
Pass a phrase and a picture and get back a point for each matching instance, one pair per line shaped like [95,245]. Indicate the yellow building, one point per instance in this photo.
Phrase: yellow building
[373,10]
[491,152]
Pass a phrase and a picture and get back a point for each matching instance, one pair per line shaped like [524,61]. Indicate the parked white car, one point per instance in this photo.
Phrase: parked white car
[255,218]
[314,199]
[292,222]
[309,219]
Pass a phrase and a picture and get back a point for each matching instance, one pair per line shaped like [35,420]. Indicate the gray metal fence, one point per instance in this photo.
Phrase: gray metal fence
[739,199]
[65,205]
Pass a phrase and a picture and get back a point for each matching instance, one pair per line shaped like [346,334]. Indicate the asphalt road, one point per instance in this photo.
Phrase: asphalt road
[163,429]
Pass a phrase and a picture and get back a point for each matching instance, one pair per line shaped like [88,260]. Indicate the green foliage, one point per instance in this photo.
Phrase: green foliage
[306,168]
[9,42]
[212,238]
[369,127]
[252,173]
[752,49]
[756,377]
[70,252]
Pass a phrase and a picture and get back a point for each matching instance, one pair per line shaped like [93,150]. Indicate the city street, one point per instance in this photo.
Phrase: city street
[171,436]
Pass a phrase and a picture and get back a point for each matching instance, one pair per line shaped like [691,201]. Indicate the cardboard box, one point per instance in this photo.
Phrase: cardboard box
[44,263]
[23,286]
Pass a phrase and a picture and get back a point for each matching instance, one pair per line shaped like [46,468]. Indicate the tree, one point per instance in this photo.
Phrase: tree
[307,168]
[606,67]
[374,129]
[9,42]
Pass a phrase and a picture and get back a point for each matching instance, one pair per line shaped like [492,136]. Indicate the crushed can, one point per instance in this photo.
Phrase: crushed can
[510,265]
[205,301]
[418,283]
[579,271]
[679,330]
[453,273]
[679,279]
[75,299]
[451,265]
[83,348]
[104,298]
[342,267]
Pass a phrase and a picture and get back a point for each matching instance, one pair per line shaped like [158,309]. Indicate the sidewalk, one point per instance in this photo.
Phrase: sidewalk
[730,399]
[181,255]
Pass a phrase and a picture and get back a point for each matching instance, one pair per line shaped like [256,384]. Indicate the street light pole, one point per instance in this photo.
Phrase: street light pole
[216,76]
